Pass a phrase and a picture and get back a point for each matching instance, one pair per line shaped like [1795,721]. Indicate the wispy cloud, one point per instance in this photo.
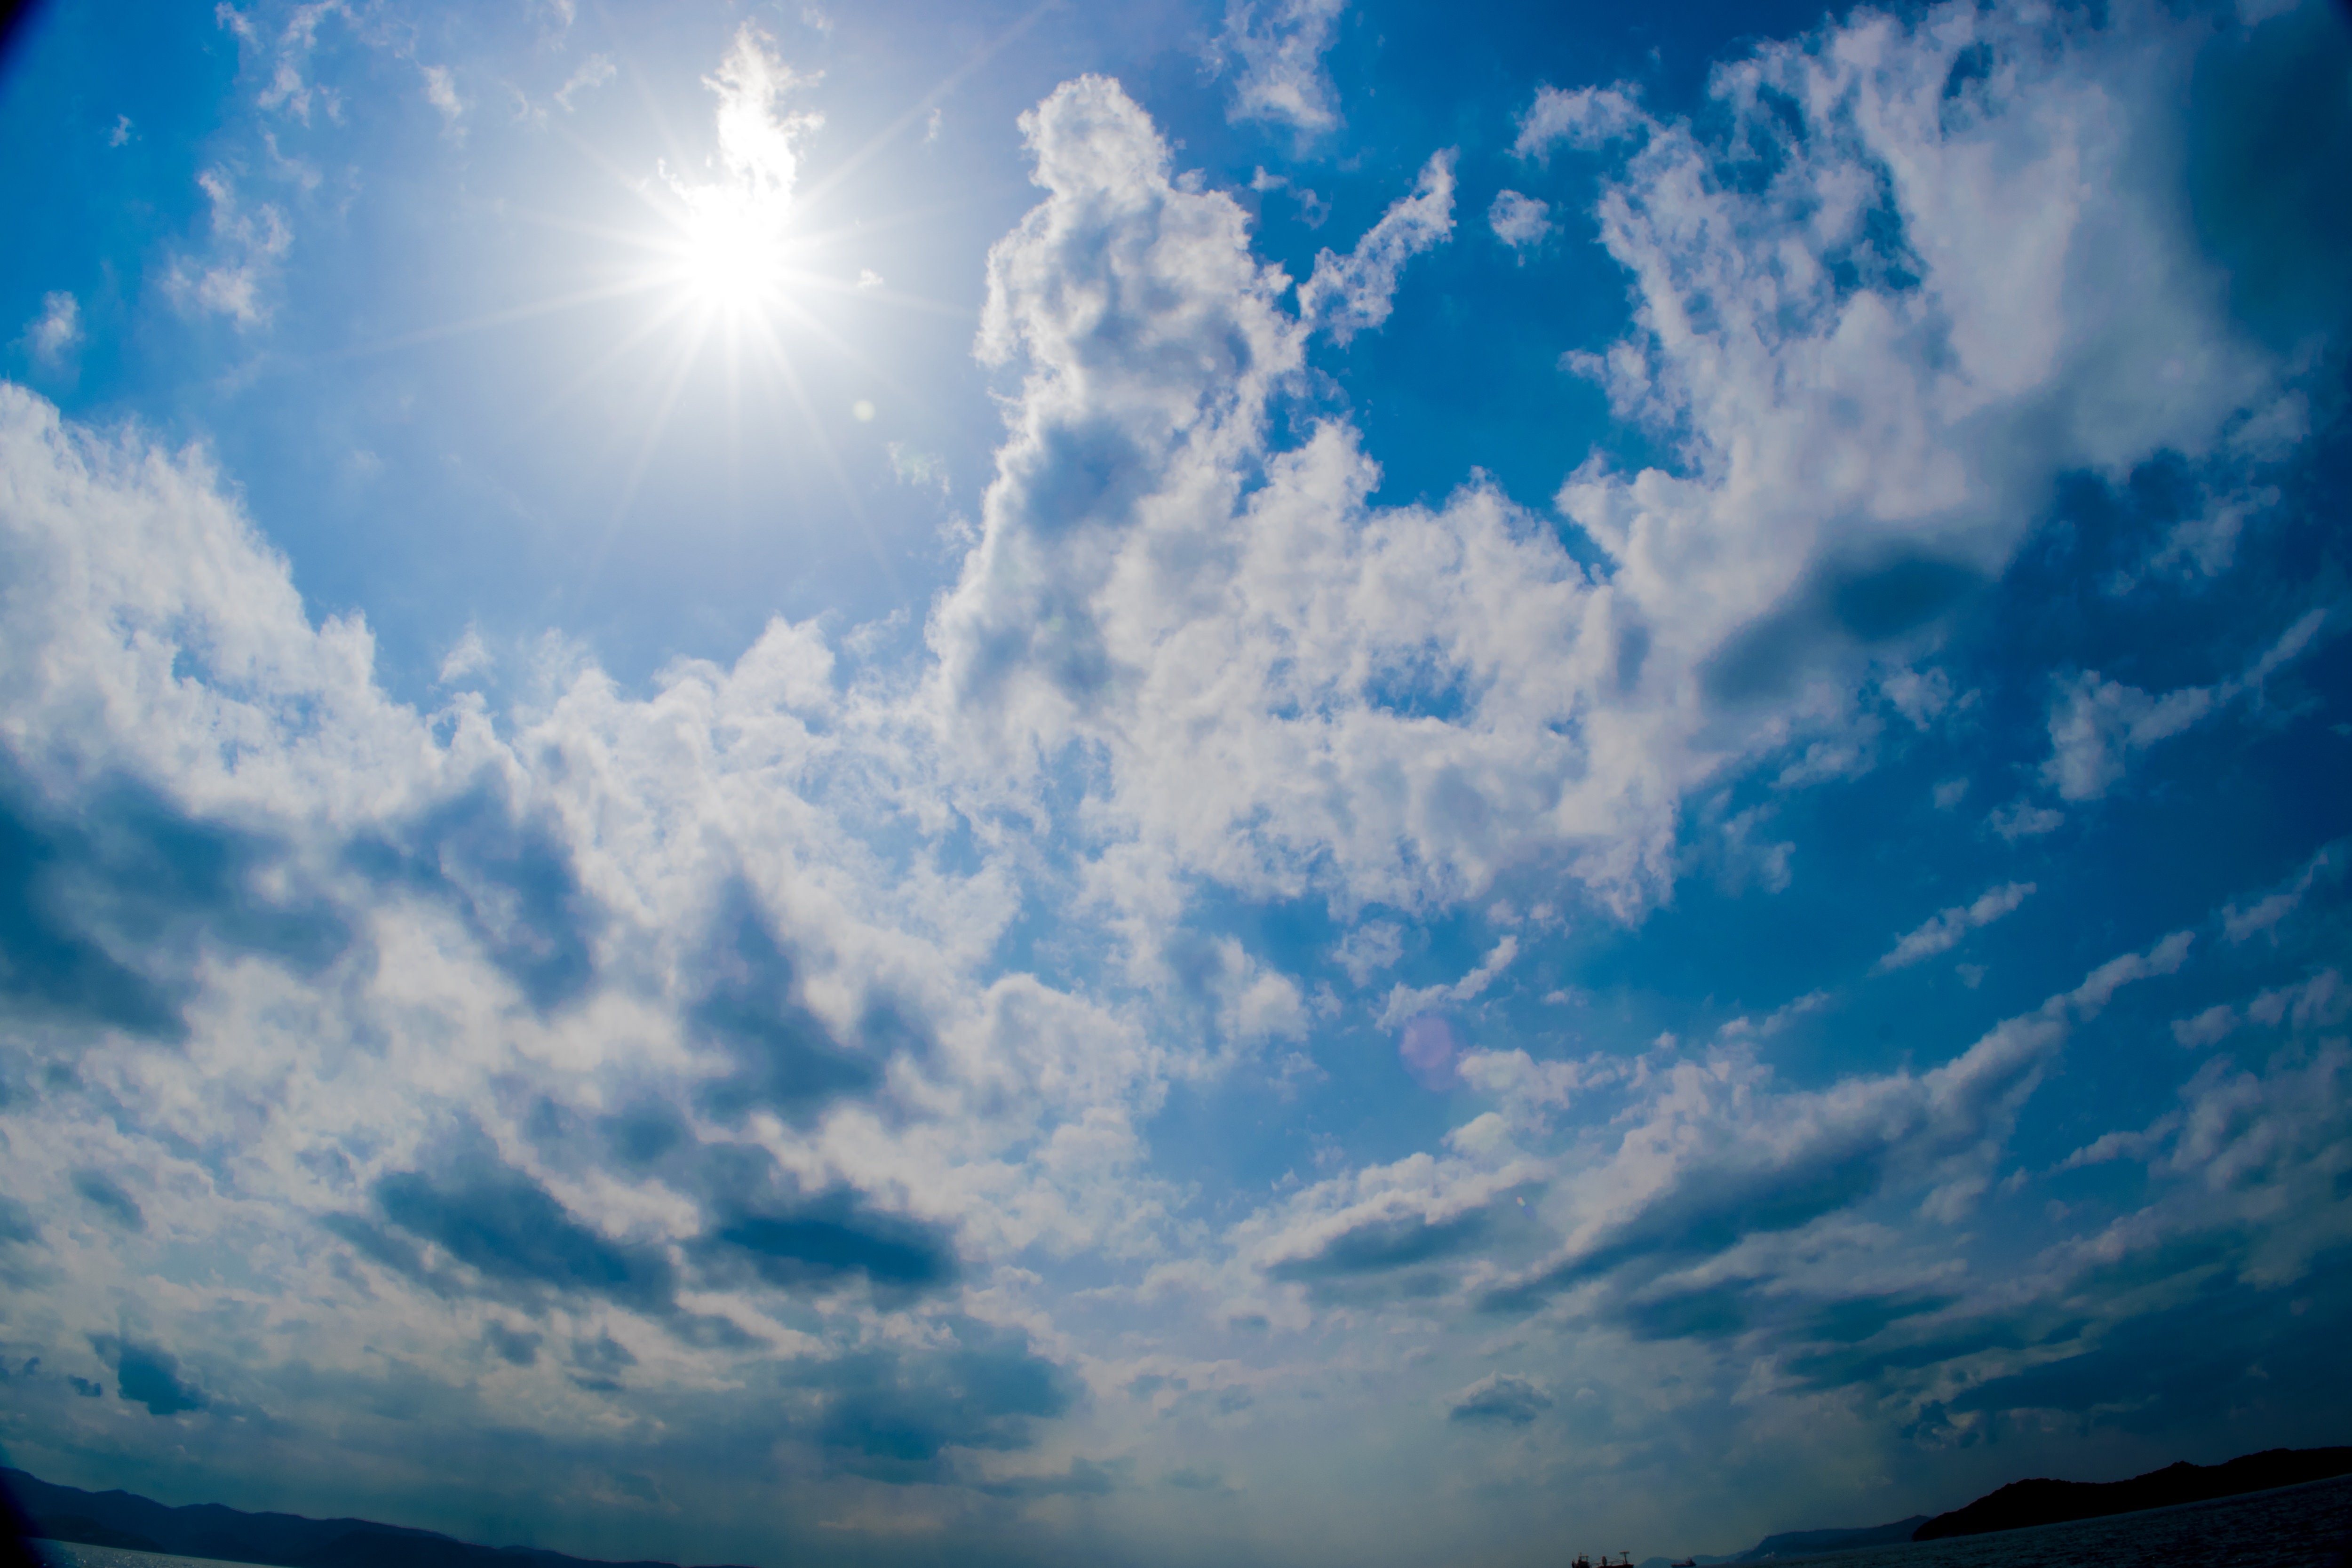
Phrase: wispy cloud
[1352,293]
[248,245]
[52,336]
[1944,932]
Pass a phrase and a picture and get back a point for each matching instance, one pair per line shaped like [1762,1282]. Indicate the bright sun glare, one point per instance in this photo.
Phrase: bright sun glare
[732,261]
[731,241]
[731,249]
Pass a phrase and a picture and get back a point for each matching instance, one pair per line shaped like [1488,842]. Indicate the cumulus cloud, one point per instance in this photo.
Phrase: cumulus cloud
[1280,46]
[1943,932]
[1838,493]
[397,933]
[1588,117]
[1518,221]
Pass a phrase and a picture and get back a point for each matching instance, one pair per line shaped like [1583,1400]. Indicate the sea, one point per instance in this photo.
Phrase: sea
[2294,1527]
[65,1554]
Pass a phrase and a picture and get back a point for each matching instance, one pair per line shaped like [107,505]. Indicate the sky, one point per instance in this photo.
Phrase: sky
[1313,782]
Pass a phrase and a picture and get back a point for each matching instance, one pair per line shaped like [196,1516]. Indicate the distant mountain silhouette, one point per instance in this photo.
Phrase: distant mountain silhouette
[2023,1503]
[277,1539]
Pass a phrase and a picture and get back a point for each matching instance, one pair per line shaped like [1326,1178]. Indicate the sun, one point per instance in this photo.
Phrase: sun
[731,249]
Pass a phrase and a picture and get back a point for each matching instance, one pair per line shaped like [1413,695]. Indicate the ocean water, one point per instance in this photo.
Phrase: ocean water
[2298,1527]
[67,1554]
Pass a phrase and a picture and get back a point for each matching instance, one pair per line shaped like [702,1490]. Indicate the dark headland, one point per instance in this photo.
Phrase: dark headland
[2023,1503]
[123,1520]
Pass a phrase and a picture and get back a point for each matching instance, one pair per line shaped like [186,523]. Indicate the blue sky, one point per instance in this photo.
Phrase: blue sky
[1304,783]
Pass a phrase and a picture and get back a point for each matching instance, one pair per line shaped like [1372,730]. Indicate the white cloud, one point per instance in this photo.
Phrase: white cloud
[924,470]
[1920,696]
[1949,794]
[2099,987]
[594,73]
[201,675]
[56,332]
[286,87]
[2208,1027]
[2264,916]
[757,138]
[1281,48]
[1282,650]
[2252,1149]
[2023,819]
[1845,756]
[1837,421]
[441,92]
[1588,117]
[1942,932]
[1748,852]
[1369,948]
[1352,293]
[1517,220]
[2318,1003]
[2209,541]
[248,246]
[1776,1021]
[468,656]
[2095,724]
[1405,1002]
